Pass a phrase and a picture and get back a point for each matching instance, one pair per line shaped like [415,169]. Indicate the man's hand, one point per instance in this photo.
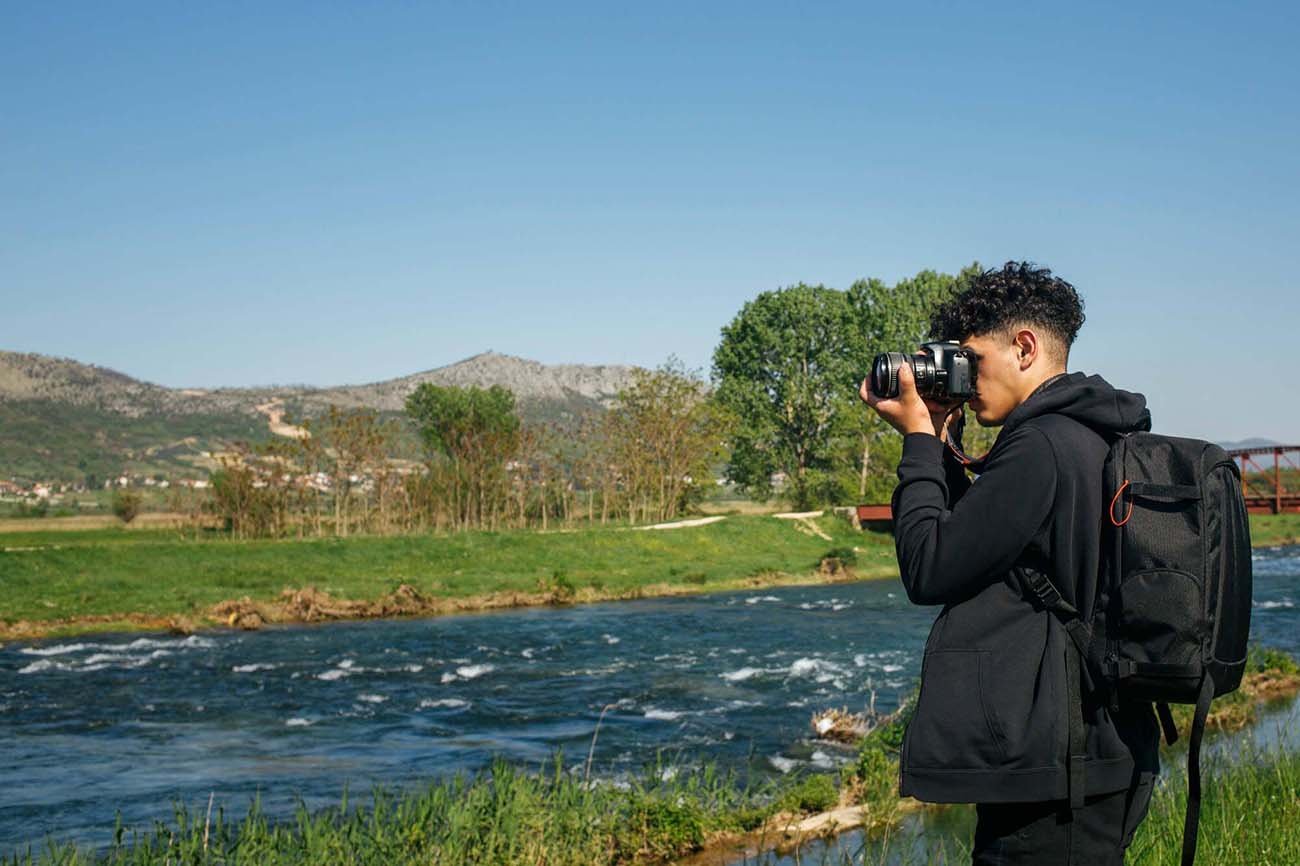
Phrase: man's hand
[908,412]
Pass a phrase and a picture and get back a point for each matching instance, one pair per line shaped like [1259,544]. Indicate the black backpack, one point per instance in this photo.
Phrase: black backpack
[1172,618]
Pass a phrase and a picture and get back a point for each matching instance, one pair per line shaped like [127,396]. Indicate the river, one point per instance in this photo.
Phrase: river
[135,722]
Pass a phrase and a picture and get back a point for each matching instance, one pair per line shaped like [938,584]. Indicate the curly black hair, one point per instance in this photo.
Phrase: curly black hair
[1018,293]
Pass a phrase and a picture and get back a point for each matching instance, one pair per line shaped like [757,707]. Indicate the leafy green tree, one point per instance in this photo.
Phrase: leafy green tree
[664,435]
[470,434]
[893,319]
[788,367]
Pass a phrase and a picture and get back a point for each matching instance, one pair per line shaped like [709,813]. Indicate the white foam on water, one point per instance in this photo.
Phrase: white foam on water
[256,666]
[740,675]
[56,650]
[191,642]
[428,704]
[665,715]
[527,652]
[297,722]
[42,665]
[610,639]
[668,773]
[413,669]
[1273,605]
[821,759]
[756,599]
[469,672]
[372,699]
[333,674]
[892,669]
[782,763]
[820,670]
[860,660]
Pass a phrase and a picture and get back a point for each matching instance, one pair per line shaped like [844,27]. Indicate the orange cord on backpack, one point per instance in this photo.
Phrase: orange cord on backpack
[1111,511]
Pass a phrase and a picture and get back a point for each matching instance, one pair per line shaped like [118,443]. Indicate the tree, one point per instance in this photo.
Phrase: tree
[469,434]
[897,319]
[126,505]
[664,435]
[788,367]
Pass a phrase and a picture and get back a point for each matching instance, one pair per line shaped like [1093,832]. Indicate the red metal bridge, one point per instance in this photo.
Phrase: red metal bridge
[1265,488]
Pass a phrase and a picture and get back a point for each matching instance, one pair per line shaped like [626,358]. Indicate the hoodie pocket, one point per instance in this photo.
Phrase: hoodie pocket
[953,727]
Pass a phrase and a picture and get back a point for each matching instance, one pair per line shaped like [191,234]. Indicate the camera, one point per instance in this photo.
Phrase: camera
[944,371]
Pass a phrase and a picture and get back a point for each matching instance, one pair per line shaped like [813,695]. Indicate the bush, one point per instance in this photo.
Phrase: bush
[126,505]
[814,793]
[1260,659]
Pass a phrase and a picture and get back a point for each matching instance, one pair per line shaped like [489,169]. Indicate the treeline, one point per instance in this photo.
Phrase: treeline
[651,456]
[779,417]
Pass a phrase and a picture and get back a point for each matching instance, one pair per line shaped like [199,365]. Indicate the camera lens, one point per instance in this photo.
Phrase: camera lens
[884,373]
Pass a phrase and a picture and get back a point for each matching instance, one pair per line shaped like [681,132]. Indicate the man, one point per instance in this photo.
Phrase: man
[992,723]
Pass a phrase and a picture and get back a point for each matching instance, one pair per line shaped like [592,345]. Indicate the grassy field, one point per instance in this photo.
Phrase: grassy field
[77,580]
[65,582]
[1270,529]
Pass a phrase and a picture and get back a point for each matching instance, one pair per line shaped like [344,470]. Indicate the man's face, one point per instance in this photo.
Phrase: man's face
[998,377]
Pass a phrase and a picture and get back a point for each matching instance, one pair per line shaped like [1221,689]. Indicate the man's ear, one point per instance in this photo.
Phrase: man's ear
[1026,347]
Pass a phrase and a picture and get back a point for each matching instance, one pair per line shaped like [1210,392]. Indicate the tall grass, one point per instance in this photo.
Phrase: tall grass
[502,815]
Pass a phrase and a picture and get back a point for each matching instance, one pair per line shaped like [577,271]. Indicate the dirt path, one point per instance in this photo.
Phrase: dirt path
[274,411]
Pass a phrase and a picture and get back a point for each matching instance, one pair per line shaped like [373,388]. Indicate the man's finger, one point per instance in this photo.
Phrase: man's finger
[906,381]
[864,391]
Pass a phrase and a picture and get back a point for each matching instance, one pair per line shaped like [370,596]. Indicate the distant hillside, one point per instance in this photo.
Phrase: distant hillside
[1254,442]
[64,420]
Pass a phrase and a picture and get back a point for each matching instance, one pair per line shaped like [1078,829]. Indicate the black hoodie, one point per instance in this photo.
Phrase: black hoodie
[991,722]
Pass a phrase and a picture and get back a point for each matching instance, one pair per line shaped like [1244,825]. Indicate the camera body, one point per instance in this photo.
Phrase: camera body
[943,371]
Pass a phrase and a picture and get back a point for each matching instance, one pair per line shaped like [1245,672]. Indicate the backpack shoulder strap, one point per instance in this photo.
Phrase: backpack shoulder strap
[1192,822]
[1039,587]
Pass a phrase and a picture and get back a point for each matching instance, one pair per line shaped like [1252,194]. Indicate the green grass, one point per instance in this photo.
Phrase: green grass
[1270,529]
[504,815]
[155,573]
[1250,816]
[501,815]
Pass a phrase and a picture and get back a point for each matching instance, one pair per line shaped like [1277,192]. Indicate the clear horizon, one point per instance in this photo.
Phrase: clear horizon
[205,197]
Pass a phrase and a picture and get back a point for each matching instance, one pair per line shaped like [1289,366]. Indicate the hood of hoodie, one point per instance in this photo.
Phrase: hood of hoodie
[1090,400]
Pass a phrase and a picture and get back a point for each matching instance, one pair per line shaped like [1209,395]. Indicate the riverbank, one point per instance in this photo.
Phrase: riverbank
[67,583]
[562,815]
[71,582]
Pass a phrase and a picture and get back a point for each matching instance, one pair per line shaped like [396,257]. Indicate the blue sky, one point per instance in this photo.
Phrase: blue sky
[207,194]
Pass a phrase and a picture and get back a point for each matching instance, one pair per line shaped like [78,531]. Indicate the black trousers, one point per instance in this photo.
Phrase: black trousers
[1051,834]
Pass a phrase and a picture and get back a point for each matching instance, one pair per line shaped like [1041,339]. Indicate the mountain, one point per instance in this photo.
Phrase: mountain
[64,420]
[1253,442]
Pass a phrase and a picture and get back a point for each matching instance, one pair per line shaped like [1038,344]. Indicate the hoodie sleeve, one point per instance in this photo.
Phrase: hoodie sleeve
[945,554]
